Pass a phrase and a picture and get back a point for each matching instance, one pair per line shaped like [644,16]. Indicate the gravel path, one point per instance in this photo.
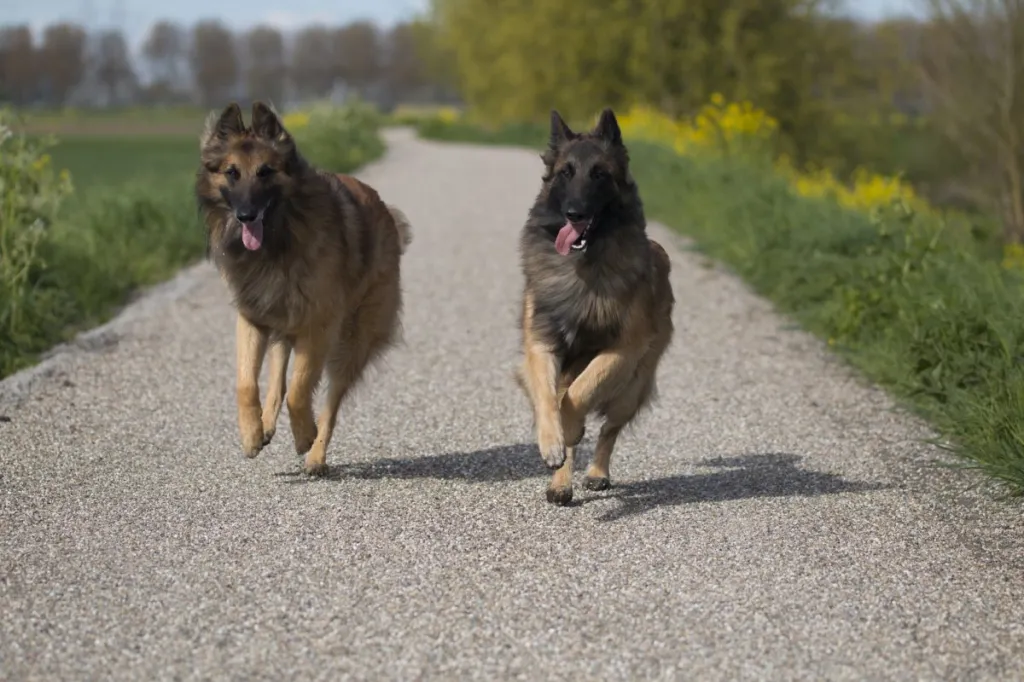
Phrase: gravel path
[773,516]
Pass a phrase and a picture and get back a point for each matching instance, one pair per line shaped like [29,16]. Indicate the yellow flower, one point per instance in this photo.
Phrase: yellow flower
[1013,256]
[296,119]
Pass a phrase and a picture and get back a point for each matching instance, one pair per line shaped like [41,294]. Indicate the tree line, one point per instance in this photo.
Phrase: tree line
[207,64]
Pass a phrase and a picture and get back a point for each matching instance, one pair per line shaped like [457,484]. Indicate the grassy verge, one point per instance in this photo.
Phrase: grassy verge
[917,302]
[70,260]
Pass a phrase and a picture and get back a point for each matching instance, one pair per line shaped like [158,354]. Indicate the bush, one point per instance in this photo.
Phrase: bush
[337,138]
[30,197]
[92,259]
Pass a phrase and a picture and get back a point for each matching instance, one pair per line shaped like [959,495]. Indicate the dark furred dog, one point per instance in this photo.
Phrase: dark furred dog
[312,260]
[597,306]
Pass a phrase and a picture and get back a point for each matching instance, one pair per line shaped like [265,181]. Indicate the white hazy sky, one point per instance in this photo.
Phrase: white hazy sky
[135,16]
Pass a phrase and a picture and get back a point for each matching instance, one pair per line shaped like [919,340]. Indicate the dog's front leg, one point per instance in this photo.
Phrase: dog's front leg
[540,375]
[251,345]
[310,353]
[603,376]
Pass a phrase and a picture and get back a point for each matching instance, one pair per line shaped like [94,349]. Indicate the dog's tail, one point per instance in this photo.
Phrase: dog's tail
[403,227]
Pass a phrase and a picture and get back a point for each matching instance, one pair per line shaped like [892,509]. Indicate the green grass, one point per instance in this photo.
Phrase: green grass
[120,114]
[917,304]
[100,162]
[130,223]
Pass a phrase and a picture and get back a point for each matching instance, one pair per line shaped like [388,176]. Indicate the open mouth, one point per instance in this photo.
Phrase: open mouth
[572,237]
[252,233]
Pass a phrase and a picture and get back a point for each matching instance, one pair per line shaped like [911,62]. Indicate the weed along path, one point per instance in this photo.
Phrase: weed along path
[771,517]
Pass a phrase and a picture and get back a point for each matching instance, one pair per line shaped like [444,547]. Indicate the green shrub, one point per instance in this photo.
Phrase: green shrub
[114,242]
[30,197]
[337,138]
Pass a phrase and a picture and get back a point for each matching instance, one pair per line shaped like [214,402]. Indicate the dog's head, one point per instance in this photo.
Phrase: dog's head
[246,172]
[586,175]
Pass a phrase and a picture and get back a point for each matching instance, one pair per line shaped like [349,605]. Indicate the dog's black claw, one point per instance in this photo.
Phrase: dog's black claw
[267,437]
[559,496]
[596,483]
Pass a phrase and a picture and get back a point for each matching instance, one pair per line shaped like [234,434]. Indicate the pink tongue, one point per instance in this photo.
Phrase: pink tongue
[252,234]
[566,237]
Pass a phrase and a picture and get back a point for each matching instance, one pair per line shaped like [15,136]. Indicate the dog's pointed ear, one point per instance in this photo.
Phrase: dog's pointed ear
[220,127]
[267,124]
[607,128]
[560,132]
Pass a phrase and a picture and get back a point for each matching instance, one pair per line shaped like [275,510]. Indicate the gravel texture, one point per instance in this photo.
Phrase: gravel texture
[772,516]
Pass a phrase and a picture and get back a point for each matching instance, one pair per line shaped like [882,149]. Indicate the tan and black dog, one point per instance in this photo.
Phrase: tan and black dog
[597,305]
[312,260]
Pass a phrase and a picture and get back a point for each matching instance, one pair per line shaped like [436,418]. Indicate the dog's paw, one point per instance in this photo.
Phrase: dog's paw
[561,495]
[552,448]
[596,483]
[269,430]
[252,440]
[250,451]
[315,466]
[304,430]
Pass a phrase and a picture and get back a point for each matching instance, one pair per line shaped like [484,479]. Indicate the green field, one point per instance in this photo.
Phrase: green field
[101,162]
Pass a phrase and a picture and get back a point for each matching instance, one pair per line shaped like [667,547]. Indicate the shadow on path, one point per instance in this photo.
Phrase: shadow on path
[735,478]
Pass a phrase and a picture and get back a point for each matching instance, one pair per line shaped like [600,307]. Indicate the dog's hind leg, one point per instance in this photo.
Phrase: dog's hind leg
[316,458]
[345,367]
[279,352]
[250,347]
[598,473]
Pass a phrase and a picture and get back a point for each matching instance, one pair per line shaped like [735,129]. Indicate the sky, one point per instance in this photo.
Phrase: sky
[135,16]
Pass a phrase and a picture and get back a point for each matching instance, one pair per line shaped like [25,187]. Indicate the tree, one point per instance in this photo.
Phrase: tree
[17,64]
[214,62]
[166,52]
[973,67]
[61,59]
[404,67]
[266,68]
[357,54]
[112,66]
[516,59]
[313,65]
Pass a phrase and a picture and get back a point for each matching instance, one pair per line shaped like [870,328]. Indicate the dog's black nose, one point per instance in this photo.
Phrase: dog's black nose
[246,215]
[575,216]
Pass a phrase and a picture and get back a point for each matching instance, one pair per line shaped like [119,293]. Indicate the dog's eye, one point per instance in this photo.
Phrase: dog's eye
[264,171]
[598,173]
[567,171]
[232,173]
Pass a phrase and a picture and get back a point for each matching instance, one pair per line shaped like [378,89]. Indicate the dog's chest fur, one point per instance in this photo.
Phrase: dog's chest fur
[276,295]
[581,307]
